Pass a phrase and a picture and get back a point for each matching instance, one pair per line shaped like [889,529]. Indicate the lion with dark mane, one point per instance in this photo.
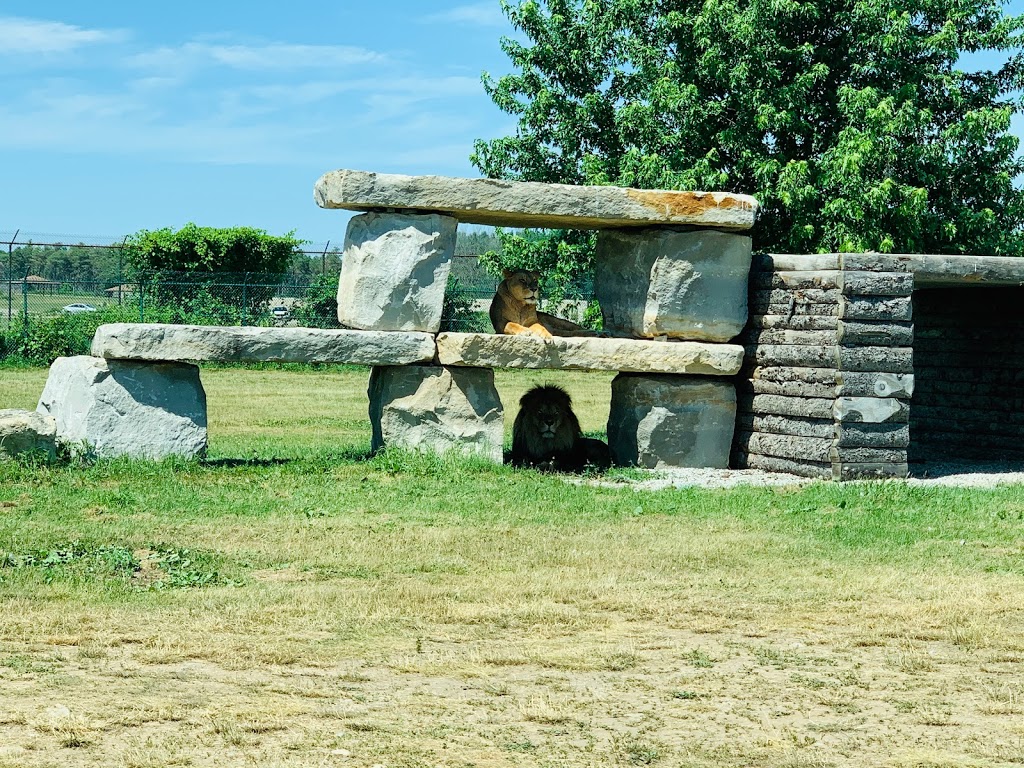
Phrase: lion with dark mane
[547,434]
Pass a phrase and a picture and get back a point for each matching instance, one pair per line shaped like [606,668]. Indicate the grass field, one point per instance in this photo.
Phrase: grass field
[291,602]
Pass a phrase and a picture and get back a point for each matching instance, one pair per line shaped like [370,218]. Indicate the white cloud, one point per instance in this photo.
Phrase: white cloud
[20,36]
[270,57]
[484,14]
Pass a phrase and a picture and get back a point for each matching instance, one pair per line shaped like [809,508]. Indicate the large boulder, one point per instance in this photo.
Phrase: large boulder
[671,421]
[437,409]
[674,283]
[111,408]
[24,433]
[395,270]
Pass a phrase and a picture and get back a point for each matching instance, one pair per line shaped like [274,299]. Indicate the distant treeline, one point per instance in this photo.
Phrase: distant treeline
[91,263]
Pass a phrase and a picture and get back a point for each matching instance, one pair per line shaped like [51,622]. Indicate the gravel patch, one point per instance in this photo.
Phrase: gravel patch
[960,474]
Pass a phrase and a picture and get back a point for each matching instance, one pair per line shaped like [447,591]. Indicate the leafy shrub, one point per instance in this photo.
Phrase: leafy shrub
[319,307]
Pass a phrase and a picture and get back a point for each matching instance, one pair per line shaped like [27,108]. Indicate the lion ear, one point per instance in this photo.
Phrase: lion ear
[507,273]
[536,275]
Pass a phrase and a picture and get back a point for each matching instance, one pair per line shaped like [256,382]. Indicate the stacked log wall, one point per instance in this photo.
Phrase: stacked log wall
[828,373]
[969,366]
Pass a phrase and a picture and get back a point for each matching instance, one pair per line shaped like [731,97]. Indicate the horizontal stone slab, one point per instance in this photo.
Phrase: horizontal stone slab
[533,204]
[595,354]
[153,342]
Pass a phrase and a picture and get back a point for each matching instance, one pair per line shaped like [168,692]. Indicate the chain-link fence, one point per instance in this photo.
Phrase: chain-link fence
[54,295]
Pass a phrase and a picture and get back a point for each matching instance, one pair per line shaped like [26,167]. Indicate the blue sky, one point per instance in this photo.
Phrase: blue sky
[119,116]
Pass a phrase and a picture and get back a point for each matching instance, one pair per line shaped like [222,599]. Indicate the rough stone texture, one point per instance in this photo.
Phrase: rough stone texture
[394,271]
[137,341]
[533,204]
[487,350]
[668,282]
[437,409]
[671,421]
[27,433]
[110,408]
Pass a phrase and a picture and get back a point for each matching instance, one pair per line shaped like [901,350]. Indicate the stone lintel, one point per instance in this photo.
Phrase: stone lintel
[533,204]
[155,342]
[595,354]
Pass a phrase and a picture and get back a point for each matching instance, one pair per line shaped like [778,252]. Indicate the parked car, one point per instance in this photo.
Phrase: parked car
[280,313]
[76,308]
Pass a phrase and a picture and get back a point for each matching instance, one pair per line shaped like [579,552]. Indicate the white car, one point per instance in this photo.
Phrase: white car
[280,313]
[76,308]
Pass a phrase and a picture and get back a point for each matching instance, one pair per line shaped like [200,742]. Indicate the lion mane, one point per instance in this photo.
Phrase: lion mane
[547,435]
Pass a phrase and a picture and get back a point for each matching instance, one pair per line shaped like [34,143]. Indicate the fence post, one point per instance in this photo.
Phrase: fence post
[142,299]
[10,278]
[245,297]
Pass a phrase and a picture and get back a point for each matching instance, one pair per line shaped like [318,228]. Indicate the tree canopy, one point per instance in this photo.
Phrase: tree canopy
[206,249]
[858,124]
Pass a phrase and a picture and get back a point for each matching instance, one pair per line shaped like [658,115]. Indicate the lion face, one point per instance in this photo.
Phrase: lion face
[524,286]
[545,426]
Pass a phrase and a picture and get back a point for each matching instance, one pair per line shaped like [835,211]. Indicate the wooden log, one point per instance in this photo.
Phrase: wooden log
[797,355]
[860,384]
[784,296]
[805,407]
[877,283]
[880,471]
[783,336]
[788,466]
[875,262]
[797,280]
[785,425]
[862,359]
[876,308]
[871,410]
[846,455]
[787,388]
[783,374]
[872,435]
[786,446]
[876,359]
[773,262]
[862,333]
[794,322]
[789,309]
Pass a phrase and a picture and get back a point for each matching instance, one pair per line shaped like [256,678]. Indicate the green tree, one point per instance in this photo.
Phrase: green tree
[206,249]
[858,124]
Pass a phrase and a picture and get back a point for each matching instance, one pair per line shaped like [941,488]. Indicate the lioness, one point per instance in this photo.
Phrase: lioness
[514,309]
[547,434]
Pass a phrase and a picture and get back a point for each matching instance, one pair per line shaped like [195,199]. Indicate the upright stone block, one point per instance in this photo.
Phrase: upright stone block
[437,409]
[671,421]
[674,283]
[111,408]
[394,271]
[24,433]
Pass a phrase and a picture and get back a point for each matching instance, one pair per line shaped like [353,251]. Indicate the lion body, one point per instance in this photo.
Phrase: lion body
[514,309]
[547,435]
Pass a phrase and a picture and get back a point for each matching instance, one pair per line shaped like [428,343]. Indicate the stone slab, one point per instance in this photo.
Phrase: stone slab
[671,421]
[154,342]
[112,408]
[27,433]
[394,271]
[533,204]
[436,409]
[670,282]
[593,354]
